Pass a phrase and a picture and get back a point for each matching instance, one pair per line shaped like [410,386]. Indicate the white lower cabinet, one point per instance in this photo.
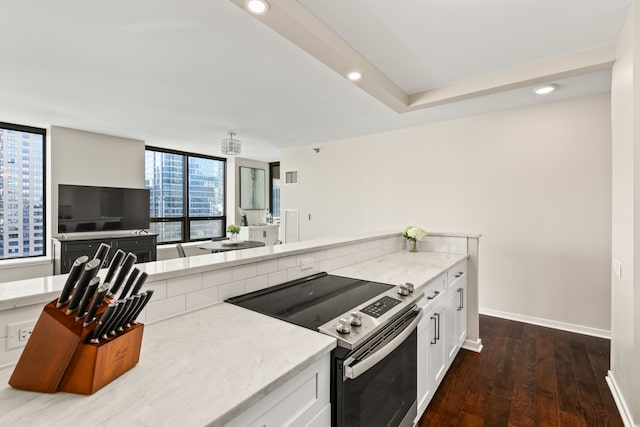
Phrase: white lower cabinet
[442,330]
[302,401]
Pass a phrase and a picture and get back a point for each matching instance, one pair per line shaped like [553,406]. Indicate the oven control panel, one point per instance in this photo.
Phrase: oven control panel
[380,307]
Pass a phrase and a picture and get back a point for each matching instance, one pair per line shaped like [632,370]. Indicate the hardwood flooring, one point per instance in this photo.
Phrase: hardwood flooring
[526,375]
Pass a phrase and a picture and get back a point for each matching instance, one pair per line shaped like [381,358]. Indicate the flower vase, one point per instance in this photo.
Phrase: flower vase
[234,237]
[414,246]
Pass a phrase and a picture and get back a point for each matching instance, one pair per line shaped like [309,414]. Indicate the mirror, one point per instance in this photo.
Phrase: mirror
[252,188]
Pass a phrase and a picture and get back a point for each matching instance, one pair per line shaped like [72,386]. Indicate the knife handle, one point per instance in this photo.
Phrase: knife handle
[106,316]
[102,253]
[141,279]
[137,300]
[95,304]
[130,280]
[104,333]
[122,273]
[89,272]
[148,295]
[88,294]
[117,326]
[72,278]
[113,267]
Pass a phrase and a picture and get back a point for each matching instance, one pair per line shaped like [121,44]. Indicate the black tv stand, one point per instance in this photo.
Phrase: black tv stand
[66,250]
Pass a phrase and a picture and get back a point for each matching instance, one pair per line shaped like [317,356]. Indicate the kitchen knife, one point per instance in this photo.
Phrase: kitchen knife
[72,278]
[148,293]
[104,319]
[113,267]
[139,283]
[88,294]
[90,270]
[104,333]
[95,304]
[117,326]
[102,253]
[130,280]
[122,273]
[137,300]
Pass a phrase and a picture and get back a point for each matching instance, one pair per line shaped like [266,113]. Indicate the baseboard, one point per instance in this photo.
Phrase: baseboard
[627,420]
[473,345]
[584,330]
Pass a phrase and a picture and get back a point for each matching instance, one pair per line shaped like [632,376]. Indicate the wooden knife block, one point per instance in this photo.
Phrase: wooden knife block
[56,357]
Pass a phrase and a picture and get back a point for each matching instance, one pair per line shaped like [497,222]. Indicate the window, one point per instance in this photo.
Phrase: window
[274,193]
[21,216]
[187,193]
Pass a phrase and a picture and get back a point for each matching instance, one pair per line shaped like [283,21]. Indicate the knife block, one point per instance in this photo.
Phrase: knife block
[56,357]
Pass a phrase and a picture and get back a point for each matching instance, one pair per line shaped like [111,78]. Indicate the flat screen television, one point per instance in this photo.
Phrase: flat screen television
[84,208]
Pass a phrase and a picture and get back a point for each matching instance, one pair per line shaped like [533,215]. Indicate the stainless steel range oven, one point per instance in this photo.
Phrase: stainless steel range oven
[373,369]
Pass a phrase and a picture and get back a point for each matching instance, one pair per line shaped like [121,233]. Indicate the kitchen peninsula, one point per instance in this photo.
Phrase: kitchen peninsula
[219,363]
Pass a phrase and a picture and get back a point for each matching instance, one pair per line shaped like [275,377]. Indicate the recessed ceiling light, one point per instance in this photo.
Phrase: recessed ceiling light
[257,7]
[543,90]
[354,76]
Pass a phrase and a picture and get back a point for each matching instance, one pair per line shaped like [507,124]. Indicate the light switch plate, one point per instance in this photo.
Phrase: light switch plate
[306,264]
[617,269]
[18,333]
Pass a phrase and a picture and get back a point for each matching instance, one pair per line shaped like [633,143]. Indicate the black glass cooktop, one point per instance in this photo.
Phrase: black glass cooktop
[311,301]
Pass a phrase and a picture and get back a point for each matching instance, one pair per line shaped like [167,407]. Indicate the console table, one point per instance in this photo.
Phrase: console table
[65,251]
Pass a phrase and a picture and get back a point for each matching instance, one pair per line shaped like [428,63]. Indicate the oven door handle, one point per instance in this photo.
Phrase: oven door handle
[353,372]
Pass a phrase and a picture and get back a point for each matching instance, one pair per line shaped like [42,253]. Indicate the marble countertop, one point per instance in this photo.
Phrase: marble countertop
[400,267]
[201,368]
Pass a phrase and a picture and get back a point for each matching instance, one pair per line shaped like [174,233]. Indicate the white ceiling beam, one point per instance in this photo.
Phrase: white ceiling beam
[294,22]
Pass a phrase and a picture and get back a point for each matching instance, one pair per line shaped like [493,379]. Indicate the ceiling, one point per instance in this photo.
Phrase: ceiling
[181,74]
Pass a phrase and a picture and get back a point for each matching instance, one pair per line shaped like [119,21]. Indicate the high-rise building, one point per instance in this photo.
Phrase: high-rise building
[21,193]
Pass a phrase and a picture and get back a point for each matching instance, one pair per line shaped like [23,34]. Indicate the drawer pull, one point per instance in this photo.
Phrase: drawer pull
[435,294]
[459,274]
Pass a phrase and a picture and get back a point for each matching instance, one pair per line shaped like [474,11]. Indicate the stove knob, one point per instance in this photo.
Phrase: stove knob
[403,290]
[343,326]
[409,287]
[355,319]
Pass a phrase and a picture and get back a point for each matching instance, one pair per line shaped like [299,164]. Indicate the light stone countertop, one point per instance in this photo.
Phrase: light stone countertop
[400,267]
[201,368]
[208,366]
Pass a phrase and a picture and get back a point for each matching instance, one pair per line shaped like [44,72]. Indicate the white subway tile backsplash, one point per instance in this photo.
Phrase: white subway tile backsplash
[184,284]
[217,277]
[434,239]
[202,298]
[277,277]
[287,262]
[295,273]
[318,255]
[266,267]
[158,310]
[242,272]
[256,283]
[231,290]
[8,356]
[159,289]
[324,265]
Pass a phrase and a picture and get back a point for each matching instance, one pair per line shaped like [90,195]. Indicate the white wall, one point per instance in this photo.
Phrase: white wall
[535,182]
[625,298]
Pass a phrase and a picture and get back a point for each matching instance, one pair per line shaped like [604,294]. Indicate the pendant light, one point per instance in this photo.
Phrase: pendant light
[231,145]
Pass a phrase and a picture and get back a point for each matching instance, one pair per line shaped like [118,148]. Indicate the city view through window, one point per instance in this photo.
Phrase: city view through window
[185,206]
[22,186]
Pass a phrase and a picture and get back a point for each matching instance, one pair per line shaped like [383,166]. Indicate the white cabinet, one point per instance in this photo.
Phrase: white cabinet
[303,401]
[430,348]
[442,330]
[456,309]
[268,234]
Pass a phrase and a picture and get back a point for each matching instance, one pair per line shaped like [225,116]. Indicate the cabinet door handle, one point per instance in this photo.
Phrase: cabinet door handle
[461,305]
[438,328]
[435,294]
[435,340]
[459,274]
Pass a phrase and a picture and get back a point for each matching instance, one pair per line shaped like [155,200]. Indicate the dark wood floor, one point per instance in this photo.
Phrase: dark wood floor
[526,375]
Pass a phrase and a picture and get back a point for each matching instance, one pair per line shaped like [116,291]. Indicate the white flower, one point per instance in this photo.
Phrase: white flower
[416,233]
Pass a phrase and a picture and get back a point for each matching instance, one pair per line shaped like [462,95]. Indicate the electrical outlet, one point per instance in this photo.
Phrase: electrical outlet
[306,264]
[18,333]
